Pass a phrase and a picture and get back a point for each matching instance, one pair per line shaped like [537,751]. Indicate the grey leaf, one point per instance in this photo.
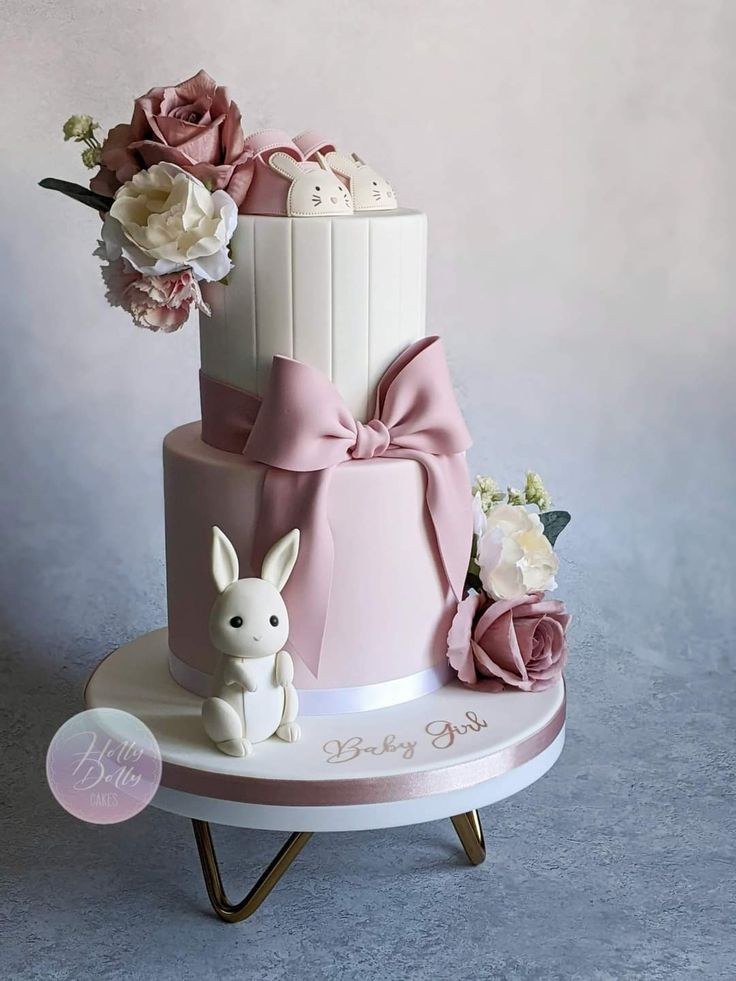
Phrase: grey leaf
[82,194]
[554,522]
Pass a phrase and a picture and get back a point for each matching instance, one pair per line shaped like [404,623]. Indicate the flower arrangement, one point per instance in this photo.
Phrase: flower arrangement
[505,633]
[168,187]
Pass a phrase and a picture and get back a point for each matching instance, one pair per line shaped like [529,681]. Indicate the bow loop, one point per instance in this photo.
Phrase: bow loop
[303,430]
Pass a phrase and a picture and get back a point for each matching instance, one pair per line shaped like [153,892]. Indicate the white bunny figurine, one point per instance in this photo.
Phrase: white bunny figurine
[252,693]
[314,190]
[370,191]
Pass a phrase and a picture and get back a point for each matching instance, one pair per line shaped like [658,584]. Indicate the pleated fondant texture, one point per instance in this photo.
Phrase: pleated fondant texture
[345,295]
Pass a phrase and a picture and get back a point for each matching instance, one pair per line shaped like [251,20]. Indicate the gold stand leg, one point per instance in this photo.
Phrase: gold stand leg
[235,912]
[467,826]
[470,833]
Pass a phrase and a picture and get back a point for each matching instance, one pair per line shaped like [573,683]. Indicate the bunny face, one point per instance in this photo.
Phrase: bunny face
[249,617]
[249,620]
[369,190]
[315,189]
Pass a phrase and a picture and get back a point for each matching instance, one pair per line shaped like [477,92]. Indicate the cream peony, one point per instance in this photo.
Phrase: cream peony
[164,220]
[514,556]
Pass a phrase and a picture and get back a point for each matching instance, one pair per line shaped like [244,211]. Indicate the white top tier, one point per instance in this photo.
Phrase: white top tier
[345,295]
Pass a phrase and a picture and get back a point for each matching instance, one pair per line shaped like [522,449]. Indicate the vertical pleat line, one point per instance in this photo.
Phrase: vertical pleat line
[254,310]
[291,282]
[402,245]
[424,277]
[332,303]
[368,407]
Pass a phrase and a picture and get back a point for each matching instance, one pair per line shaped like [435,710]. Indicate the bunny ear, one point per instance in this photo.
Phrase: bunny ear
[321,160]
[339,162]
[281,559]
[285,165]
[224,561]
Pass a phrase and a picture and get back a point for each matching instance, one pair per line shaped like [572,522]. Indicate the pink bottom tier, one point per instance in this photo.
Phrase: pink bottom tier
[390,609]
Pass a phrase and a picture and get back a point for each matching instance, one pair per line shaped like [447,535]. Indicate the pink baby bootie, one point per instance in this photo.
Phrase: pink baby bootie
[370,191]
[286,183]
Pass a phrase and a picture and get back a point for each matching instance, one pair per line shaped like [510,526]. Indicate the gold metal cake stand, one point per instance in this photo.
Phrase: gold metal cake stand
[444,755]
[467,826]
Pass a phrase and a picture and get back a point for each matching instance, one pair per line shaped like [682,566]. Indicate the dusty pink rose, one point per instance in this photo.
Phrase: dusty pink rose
[519,643]
[155,302]
[194,125]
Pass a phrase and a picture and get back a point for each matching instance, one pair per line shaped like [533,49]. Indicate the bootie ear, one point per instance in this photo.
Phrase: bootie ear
[342,164]
[285,165]
[281,559]
[225,568]
[324,163]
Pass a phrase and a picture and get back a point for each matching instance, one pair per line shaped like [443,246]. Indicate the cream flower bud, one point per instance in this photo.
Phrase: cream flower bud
[488,491]
[91,156]
[79,127]
[515,497]
[536,493]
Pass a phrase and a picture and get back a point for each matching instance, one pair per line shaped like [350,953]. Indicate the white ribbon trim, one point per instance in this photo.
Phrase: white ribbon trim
[333,701]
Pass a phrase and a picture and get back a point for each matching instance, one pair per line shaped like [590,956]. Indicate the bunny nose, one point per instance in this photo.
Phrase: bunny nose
[333,200]
[256,639]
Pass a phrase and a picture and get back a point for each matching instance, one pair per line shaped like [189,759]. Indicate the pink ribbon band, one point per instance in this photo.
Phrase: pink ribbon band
[363,790]
[301,430]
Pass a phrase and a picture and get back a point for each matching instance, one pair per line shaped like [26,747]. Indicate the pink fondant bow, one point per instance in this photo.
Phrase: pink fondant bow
[303,429]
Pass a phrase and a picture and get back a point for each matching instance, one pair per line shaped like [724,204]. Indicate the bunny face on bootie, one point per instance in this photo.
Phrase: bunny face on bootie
[370,191]
[315,189]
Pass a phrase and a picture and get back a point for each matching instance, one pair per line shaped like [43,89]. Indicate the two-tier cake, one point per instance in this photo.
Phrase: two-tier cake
[345,296]
[326,411]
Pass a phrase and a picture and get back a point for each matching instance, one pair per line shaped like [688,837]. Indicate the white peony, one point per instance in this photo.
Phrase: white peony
[514,556]
[164,220]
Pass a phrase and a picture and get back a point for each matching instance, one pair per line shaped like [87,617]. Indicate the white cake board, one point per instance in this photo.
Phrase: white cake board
[313,785]
[418,769]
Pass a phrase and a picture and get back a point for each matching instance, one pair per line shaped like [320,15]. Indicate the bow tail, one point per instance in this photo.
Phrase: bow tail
[290,499]
[449,502]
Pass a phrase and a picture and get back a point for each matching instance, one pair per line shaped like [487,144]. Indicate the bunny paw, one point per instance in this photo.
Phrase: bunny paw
[289,732]
[236,747]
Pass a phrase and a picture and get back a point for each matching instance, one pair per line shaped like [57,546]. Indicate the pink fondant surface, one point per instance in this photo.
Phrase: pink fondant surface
[389,609]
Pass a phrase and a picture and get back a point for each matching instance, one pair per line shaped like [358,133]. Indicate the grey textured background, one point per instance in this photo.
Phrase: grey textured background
[577,163]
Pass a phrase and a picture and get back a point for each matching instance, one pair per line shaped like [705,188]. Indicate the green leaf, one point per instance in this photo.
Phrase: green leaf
[554,522]
[82,194]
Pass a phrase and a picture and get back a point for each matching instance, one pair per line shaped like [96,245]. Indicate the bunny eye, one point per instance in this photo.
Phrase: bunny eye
[375,183]
[318,188]
[236,622]
[274,621]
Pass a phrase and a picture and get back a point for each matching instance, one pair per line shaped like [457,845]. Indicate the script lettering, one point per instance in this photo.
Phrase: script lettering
[444,732]
[343,751]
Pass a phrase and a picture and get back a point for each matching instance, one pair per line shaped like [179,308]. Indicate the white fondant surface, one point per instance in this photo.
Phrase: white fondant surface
[350,750]
[390,608]
[343,294]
